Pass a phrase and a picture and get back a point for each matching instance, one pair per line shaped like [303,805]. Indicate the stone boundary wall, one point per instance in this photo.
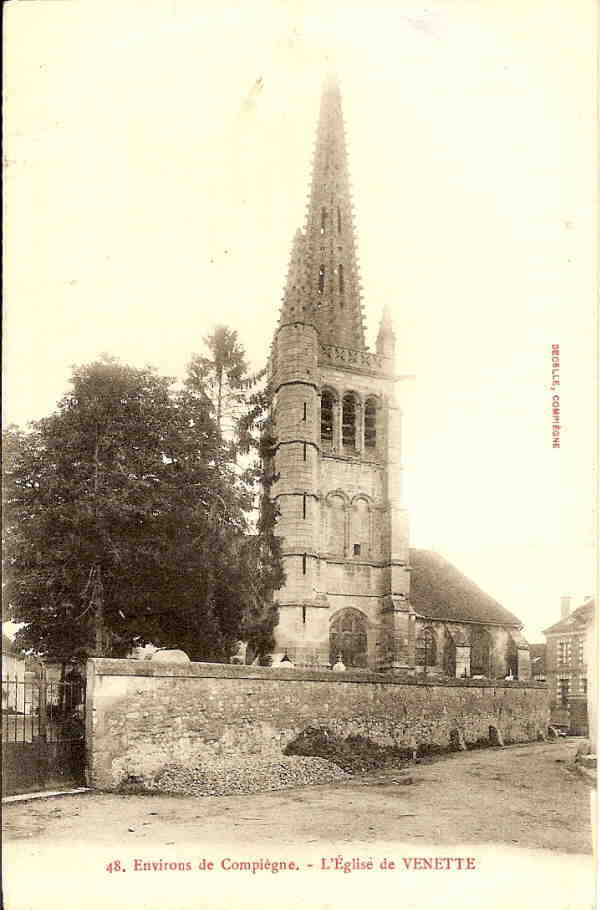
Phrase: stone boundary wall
[142,716]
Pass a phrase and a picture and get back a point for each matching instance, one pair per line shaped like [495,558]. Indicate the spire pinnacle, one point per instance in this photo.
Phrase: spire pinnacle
[386,339]
[386,327]
[331,79]
[324,281]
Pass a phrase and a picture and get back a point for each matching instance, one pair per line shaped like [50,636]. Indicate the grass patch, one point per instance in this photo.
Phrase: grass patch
[481,743]
[424,750]
[353,754]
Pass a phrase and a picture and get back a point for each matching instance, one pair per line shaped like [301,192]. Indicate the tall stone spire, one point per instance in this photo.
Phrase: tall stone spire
[323,282]
[337,460]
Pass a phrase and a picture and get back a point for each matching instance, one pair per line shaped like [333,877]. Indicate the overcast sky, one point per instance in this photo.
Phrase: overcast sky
[158,161]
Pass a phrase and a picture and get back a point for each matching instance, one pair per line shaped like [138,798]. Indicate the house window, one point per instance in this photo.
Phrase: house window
[563,651]
[349,421]
[425,651]
[341,278]
[370,424]
[564,684]
[583,685]
[339,220]
[356,549]
[327,417]
[323,220]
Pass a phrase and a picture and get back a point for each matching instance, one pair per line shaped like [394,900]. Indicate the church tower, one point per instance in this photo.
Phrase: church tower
[338,457]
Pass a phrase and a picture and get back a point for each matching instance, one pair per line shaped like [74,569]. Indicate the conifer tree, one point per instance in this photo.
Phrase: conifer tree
[240,404]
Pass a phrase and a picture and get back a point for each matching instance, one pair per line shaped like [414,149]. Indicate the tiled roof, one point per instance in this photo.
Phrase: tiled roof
[578,618]
[439,591]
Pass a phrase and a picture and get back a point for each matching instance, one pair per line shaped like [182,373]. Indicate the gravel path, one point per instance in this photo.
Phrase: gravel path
[519,812]
[521,796]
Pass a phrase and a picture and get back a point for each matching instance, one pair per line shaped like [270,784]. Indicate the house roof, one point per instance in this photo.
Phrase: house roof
[438,590]
[578,619]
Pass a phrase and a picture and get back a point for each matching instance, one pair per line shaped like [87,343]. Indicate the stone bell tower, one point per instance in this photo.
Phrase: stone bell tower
[338,455]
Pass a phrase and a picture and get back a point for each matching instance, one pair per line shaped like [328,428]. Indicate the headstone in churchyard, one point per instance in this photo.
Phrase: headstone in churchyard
[240,655]
[339,666]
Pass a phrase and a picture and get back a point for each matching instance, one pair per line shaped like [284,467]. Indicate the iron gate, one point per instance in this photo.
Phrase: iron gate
[43,734]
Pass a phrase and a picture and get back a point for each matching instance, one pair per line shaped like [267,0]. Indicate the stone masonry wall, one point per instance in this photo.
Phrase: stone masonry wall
[142,716]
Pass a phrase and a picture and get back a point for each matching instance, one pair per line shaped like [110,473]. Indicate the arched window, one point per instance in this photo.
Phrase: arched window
[327,417]
[370,424]
[336,525]
[349,421]
[348,638]
[341,278]
[481,646]
[425,651]
[512,659]
[360,528]
[321,279]
[449,656]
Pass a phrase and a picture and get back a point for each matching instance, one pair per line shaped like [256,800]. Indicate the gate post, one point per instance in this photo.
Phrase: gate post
[42,728]
[90,719]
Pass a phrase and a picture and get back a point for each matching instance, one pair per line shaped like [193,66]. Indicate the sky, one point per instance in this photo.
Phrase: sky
[157,165]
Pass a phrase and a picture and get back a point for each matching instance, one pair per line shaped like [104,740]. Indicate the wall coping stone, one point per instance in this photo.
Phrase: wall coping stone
[103,666]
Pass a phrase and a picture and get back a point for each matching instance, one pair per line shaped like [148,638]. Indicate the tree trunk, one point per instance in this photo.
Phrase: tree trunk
[219,402]
[97,592]
[98,613]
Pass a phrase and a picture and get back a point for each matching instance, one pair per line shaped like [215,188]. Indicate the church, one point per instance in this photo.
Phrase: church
[356,594]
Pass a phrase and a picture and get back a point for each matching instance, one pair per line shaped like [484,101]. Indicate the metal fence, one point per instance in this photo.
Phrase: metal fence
[43,733]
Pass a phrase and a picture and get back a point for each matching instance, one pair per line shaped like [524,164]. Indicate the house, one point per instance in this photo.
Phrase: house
[569,647]
[355,593]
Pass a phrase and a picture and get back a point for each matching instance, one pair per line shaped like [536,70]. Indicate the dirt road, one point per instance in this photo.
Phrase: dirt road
[502,805]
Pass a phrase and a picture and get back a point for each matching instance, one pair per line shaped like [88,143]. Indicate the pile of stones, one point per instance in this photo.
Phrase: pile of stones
[255,775]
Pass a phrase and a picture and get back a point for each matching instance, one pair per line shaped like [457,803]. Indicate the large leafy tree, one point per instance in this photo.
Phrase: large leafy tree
[125,523]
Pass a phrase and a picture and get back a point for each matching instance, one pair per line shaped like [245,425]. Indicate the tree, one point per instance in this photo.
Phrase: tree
[114,507]
[263,552]
[126,518]
[222,378]
[240,403]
